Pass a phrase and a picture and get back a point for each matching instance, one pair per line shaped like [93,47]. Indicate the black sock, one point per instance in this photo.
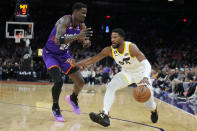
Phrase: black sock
[55,106]
[73,96]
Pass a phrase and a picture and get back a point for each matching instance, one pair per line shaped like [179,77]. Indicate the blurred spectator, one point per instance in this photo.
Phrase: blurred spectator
[98,76]
[105,76]
[86,75]
[1,69]
[92,76]
[168,47]
[192,88]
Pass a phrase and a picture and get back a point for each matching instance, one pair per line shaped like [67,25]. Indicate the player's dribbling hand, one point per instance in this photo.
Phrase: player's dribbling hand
[72,62]
[144,81]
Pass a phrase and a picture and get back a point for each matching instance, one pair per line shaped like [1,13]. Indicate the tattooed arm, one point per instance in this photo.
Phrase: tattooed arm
[61,26]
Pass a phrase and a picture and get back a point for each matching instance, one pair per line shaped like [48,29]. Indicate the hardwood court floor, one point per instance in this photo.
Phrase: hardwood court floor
[27,107]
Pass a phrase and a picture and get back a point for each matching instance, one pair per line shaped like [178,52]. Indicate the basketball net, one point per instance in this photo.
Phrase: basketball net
[18,38]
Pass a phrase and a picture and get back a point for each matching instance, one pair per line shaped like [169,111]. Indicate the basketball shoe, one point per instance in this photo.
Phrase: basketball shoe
[154,116]
[100,118]
[74,103]
[57,114]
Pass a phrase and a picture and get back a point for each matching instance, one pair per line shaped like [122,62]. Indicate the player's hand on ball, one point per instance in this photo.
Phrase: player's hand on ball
[72,62]
[144,81]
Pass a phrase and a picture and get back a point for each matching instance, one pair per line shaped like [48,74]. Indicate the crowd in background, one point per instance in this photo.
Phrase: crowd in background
[167,41]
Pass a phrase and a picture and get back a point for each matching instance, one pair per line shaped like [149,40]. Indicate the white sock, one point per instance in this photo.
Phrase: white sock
[150,104]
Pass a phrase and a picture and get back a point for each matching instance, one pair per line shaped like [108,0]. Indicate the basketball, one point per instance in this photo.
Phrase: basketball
[141,93]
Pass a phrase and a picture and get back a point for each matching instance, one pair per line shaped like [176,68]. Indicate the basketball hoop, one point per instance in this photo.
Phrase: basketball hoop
[18,38]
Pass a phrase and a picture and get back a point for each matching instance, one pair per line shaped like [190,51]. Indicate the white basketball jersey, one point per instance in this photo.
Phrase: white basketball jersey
[125,60]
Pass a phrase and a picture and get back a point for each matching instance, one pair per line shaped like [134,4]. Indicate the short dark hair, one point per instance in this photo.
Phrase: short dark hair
[78,6]
[120,31]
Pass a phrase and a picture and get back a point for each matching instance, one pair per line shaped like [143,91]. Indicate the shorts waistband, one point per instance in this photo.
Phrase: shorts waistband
[53,52]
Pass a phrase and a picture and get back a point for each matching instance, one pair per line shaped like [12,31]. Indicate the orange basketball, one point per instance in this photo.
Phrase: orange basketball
[141,93]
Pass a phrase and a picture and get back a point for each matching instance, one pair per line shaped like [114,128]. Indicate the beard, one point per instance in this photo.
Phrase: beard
[116,46]
[82,21]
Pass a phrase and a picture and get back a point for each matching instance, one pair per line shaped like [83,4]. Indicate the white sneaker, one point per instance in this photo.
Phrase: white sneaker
[158,90]
[171,94]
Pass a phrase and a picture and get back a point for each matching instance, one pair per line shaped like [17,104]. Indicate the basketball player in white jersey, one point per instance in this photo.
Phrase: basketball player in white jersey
[135,69]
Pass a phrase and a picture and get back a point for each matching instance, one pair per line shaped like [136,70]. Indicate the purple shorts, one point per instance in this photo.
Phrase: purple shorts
[55,60]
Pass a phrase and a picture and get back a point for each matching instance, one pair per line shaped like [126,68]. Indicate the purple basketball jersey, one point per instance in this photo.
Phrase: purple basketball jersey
[58,49]
[57,55]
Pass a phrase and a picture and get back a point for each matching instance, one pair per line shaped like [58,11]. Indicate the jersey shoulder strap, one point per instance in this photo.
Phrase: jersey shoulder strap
[128,43]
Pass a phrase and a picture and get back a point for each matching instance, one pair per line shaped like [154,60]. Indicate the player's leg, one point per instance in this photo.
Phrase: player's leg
[118,81]
[77,79]
[150,104]
[79,82]
[55,74]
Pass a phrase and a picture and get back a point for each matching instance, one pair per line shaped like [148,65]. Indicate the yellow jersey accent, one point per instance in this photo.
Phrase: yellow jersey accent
[125,60]
[129,51]
[112,52]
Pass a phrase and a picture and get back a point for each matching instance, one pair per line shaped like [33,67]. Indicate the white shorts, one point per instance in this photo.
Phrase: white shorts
[126,78]
[123,79]
[132,77]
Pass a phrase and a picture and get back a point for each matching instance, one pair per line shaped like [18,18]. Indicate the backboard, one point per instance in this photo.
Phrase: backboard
[25,29]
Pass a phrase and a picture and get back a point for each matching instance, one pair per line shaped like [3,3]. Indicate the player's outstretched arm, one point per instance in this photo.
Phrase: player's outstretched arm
[88,61]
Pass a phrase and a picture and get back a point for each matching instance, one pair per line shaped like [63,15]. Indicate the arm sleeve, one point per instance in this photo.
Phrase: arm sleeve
[147,67]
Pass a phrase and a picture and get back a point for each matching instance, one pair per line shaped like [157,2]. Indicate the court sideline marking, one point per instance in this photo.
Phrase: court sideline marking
[176,107]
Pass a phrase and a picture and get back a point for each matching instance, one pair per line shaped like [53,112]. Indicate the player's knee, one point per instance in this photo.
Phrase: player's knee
[112,87]
[55,74]
[116,83]
[59,83]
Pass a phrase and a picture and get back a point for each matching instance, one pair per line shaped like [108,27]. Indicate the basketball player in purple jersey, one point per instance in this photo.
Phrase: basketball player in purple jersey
[67,29]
